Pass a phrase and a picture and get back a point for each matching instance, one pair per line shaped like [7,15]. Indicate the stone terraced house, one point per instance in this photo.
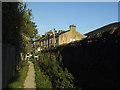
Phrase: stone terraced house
[51,39]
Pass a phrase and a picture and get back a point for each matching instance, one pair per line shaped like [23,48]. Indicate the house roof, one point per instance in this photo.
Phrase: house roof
[117,24]
[56,35]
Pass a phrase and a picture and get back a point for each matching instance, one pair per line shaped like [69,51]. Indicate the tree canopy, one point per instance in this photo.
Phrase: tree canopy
[17,23]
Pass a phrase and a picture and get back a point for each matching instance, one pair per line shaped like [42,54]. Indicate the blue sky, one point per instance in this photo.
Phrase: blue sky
[87,16]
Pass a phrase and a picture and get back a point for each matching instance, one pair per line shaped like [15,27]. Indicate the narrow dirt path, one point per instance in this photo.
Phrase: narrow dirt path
[30,79]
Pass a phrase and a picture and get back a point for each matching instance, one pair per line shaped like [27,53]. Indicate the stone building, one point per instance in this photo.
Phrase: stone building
[60,37]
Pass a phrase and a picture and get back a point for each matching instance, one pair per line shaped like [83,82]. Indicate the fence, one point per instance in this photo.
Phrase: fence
[9,63]
[0,65]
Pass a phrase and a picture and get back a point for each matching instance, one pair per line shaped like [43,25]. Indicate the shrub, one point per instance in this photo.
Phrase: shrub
[42,81]
[51,65]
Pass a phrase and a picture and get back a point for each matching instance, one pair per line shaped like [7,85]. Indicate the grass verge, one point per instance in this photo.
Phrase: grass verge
[18,80]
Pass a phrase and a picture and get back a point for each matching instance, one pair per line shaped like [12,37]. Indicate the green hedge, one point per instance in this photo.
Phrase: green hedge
[51,65]
[42,81]
[94,60]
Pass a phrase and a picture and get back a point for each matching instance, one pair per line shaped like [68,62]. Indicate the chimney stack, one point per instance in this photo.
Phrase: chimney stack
[72,28]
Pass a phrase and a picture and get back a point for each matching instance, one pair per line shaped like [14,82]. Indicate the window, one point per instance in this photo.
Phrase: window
[72,39]
[44,42]
[41,43]
[50,41]
[56,40]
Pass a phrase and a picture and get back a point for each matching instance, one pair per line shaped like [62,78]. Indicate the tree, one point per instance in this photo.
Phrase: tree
[28,27]
[17,23]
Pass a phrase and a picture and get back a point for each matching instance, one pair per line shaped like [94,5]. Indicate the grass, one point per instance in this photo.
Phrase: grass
[42,81]
[18,80]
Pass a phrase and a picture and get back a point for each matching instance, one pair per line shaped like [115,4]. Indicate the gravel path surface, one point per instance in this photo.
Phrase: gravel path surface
[30,79]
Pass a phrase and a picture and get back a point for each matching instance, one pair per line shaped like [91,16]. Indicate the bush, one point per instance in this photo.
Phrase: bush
[42,81]
[85,58]
[52,66]
[23,63]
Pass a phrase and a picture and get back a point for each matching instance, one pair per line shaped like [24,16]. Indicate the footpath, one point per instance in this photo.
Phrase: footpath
[30,79]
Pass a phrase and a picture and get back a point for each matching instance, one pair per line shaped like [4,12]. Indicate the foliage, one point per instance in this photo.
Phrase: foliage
[23,45]
[36,53]
[42,80]
[18,80]
[27,26]
[51,66]
[17,23]
[32,59]
[11,21]
[94,60]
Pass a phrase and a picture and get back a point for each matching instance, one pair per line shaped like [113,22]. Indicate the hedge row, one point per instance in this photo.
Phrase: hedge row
[51,65]
[42,80]
[93,61]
